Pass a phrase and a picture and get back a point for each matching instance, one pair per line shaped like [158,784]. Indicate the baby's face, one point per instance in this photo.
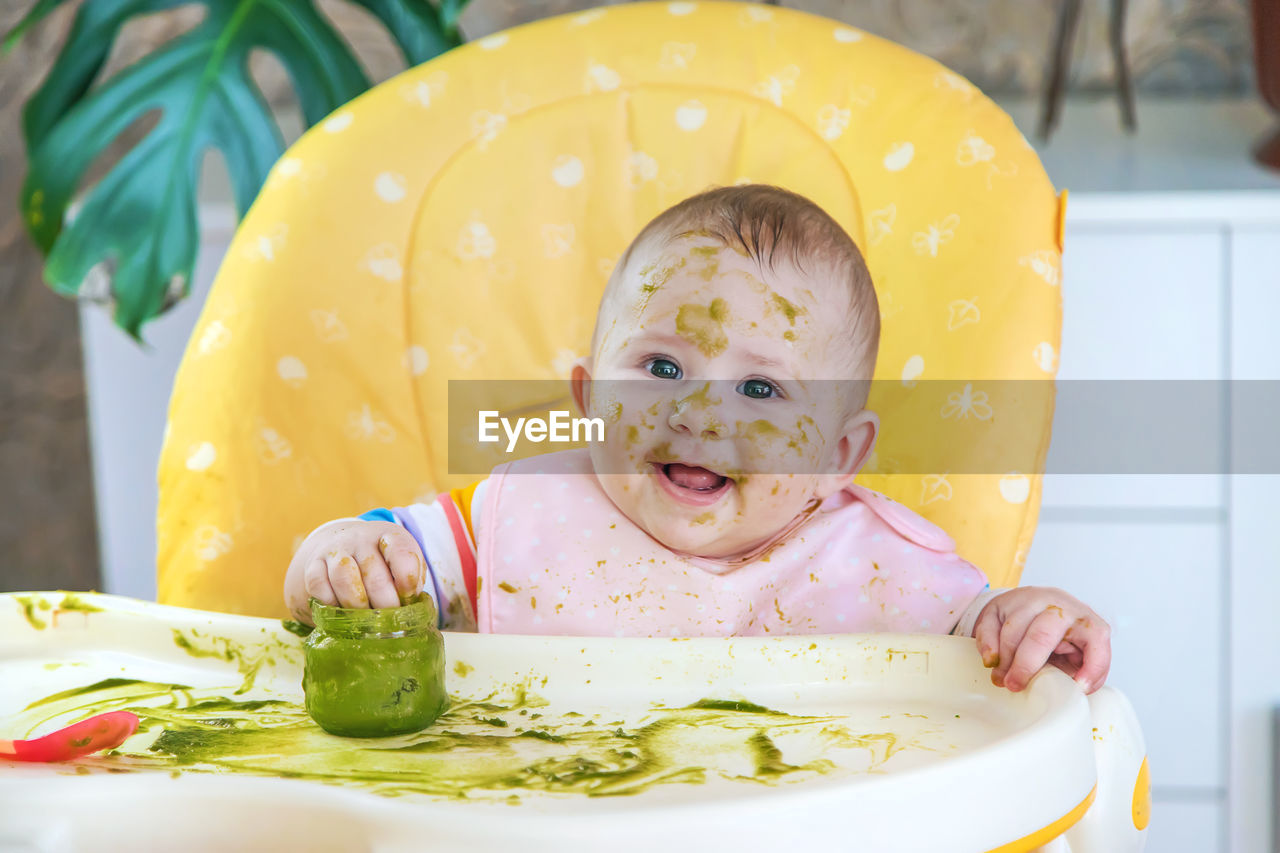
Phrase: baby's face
[723,424]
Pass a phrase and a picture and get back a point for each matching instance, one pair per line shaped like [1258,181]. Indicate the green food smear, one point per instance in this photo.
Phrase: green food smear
[654,275]
[708,254]
[786,308]
[29,605]
[248,660]
[71,601]
[703,326]
[294,627]
[702,398]
[476,750]
[759,429]
[734,705]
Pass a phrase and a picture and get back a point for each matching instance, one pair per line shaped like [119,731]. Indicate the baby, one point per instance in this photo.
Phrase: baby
[730,361]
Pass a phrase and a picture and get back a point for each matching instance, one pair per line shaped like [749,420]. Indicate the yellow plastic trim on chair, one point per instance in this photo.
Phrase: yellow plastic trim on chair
[460,220]
[1042,836]
[1140,808]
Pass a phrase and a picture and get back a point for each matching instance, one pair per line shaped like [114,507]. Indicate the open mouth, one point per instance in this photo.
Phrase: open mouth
[692,484]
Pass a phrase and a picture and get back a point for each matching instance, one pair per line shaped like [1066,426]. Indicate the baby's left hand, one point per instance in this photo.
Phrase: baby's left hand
[1021,630]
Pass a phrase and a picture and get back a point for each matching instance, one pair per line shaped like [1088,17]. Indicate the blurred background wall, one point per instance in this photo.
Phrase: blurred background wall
[47,530]
[1175,46]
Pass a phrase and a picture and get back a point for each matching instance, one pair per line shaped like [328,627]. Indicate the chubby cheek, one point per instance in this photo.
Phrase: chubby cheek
[616,458]
[776,496]
[631,439]
[630,422]
[788,443]
[625,490]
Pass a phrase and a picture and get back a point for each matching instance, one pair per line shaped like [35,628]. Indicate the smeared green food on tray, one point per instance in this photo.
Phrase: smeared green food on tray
[504,747]
[31,603]
[72,601]
[489,748]
[249,660]
[34,606]
[733,705]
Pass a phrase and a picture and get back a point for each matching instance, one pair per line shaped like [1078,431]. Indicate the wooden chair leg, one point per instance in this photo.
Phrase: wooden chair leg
[1120,56]
[1055,86]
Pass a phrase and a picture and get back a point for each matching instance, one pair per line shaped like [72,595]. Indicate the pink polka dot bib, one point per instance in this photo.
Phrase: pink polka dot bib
[556,556]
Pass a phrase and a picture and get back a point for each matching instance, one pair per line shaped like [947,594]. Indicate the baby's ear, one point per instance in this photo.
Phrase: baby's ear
[852,451]
[580,383]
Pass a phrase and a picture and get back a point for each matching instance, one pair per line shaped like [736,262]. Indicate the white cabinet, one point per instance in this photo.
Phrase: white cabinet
[1142,302]
[1182,288]
[1253,652]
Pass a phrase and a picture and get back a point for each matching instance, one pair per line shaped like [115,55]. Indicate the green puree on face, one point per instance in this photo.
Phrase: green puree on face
[374,673]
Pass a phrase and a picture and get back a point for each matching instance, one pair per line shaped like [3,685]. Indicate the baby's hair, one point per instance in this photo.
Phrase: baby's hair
[763,221]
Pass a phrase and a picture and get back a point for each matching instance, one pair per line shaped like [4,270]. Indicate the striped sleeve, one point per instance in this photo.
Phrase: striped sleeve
[443,531]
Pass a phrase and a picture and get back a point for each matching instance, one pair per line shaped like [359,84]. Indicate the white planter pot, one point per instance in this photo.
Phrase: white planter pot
[127,388]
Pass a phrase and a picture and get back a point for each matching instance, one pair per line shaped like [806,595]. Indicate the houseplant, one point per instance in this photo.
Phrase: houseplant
[133,237]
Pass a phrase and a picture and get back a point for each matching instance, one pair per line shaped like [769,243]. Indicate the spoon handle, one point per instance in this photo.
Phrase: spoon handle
[103,731]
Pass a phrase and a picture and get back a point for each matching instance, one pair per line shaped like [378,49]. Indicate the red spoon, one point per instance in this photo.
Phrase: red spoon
[102,731]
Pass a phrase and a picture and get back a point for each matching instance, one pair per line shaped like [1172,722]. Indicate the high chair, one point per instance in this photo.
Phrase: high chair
[459,222]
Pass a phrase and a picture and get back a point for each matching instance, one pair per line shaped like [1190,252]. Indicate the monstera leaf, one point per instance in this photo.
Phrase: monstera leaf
[134,235]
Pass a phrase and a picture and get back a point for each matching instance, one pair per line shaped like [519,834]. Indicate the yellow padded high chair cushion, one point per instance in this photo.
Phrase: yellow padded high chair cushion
[460,221]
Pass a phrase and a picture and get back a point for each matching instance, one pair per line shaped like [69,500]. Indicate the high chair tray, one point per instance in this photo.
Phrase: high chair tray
[871,742]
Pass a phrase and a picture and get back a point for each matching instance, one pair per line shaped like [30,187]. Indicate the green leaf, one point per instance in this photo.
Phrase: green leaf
[135,235]
[450,11]
[82,57]
[33,17]
[424,32]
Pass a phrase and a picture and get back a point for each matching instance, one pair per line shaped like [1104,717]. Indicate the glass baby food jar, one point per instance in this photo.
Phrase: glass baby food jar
[374,673]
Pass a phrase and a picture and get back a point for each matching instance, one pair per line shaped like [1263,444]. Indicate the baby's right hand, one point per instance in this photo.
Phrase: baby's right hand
[354,564]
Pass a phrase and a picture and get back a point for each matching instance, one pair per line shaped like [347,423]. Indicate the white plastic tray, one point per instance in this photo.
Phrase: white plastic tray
[877,742]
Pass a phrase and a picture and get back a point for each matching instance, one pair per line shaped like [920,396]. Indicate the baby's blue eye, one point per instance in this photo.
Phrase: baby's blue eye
[757,389]
[664,368]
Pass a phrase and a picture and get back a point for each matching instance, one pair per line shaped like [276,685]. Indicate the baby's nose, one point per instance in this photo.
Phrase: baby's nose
[695,414]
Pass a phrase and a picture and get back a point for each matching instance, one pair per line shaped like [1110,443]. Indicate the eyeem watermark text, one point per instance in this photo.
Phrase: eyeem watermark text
[560,427]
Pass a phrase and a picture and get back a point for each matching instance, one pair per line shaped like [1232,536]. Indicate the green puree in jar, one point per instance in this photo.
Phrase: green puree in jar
[374,673]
